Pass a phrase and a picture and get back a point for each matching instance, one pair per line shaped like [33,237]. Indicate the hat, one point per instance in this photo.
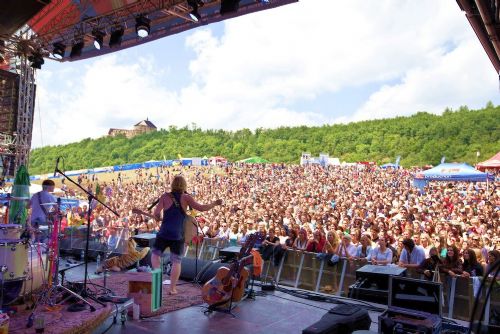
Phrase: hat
[381,215]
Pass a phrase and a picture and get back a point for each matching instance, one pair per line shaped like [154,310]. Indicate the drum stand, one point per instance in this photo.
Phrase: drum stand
[48,296]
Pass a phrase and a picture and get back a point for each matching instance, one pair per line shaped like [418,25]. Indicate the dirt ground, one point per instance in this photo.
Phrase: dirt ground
[127,176]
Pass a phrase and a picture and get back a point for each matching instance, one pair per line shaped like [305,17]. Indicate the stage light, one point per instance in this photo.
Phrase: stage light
[229,6]
[98,38]
[115,40]
[76,50]
[194,14]
[59,50]
[142,26]
[36,60]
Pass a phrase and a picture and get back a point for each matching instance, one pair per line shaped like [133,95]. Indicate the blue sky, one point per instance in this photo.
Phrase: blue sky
[284,66]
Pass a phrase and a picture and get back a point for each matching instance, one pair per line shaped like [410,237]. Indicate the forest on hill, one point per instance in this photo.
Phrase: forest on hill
[420,139]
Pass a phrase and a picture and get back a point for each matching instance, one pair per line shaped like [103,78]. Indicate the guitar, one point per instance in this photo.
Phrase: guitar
[190,224]
[222,287]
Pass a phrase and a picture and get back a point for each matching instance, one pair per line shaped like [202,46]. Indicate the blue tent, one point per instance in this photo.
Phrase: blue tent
[451,172]
[389,165]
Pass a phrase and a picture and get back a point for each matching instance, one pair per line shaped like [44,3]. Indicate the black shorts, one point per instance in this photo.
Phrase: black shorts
[176,246]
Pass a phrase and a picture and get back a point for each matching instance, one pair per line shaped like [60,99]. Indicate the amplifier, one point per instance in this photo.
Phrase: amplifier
[145,239]
[230,253]
[372,283]
[379,275]
[400,320]
[369,294]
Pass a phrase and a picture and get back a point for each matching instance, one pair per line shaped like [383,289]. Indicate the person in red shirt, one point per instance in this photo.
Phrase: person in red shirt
[317,243]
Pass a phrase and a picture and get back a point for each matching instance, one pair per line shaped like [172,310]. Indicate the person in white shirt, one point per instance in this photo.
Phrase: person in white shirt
[381,255]
[41,204]
[346,249]
[224,231]
[411,255]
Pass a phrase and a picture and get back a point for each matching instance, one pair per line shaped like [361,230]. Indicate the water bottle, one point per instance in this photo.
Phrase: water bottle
[82,255]
[98,260]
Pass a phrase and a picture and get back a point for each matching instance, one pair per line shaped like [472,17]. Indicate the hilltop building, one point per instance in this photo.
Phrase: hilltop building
[140,128]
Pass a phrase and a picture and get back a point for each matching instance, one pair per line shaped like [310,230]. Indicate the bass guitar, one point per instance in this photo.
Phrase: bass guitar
[220,289]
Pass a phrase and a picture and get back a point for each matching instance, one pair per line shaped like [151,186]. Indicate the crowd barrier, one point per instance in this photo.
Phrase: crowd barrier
[306,271]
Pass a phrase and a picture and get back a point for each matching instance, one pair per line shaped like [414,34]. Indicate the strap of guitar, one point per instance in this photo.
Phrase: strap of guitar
[176,203]
[178,206]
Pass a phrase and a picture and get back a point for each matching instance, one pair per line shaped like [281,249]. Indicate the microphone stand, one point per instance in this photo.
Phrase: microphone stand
[91,197]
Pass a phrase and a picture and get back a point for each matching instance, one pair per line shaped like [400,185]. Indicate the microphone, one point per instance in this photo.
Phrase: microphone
[57,165]
[153,204]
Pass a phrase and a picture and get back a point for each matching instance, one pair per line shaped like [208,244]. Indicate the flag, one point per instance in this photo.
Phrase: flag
[18,212]
[443,159]
[99,195]
[398,158]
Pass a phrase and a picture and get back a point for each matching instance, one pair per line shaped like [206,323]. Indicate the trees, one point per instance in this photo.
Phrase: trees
[419,139]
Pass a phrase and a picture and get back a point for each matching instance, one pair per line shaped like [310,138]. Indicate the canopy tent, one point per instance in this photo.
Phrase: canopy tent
[389,165]
[254,160]
[451,172]
[218,160]
[491,163]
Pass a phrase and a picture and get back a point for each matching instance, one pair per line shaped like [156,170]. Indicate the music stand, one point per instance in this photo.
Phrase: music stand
[90,197]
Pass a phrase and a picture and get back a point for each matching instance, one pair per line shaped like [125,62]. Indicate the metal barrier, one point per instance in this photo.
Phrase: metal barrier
[306,271]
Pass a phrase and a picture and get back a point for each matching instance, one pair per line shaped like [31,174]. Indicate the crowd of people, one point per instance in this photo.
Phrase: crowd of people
[360,213]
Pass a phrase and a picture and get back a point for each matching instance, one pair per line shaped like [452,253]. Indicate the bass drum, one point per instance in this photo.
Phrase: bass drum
[14,259]
[15,289]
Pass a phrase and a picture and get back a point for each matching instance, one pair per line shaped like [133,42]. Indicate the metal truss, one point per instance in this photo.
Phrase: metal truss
[26,107]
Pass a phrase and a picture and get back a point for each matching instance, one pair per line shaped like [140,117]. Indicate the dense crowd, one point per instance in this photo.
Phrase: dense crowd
[361,213]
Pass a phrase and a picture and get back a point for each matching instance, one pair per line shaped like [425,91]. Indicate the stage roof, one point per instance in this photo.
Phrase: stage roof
[484,17]
[70,21]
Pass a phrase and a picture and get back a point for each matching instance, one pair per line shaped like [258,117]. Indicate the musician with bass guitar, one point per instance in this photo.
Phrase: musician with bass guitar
[173,205]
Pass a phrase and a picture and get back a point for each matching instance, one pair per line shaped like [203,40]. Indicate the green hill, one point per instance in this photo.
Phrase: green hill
[420,139]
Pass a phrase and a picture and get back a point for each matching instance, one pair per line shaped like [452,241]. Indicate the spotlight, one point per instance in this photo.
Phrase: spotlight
[194,14]
[115,40]
[142,26]
[59,50]
[229,6]
[36,60]
[98,38]
[76,50]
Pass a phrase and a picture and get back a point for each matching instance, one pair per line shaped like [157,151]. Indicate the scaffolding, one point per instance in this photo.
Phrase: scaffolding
[25,111]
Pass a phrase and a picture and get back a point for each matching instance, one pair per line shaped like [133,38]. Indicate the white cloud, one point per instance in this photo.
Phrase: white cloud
[422,54]
[450,81]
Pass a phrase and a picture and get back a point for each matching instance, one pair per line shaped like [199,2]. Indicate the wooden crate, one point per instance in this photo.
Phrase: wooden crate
[146,289]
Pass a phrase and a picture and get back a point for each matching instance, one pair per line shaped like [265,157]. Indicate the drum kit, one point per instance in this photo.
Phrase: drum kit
[26,266]
[14,266]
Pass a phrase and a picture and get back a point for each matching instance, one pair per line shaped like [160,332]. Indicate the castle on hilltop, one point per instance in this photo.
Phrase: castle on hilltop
[140,128]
